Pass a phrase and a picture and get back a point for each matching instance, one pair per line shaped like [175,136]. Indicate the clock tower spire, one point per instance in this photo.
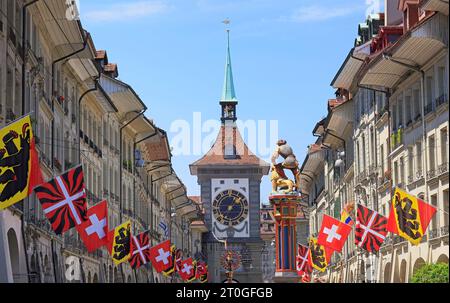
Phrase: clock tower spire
[228,100]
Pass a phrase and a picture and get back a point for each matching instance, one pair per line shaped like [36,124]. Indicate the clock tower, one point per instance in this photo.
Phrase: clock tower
[230,177]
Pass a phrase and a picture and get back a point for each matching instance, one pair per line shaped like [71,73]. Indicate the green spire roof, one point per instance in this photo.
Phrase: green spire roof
[228,93]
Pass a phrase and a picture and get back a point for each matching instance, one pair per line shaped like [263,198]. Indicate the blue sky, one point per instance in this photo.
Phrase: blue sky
[284,56]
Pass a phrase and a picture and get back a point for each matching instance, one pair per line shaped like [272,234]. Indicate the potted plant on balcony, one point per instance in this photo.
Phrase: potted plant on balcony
[387,175]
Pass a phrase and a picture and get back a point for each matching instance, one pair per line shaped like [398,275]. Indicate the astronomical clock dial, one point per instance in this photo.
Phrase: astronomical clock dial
[230,208]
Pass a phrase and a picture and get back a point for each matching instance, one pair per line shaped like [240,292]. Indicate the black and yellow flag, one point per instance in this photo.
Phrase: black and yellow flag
[120,241]
[319,256]
[409,216]
[19,163]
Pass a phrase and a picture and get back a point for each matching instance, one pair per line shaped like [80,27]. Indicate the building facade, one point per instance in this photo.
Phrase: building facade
[391,119]
[82,114]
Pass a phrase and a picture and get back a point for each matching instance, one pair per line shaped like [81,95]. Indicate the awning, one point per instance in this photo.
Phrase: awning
[143,127]
[124,97]
[416,48]
[339,118]
[436,6]
[313,160]
[64,32]
[347,72]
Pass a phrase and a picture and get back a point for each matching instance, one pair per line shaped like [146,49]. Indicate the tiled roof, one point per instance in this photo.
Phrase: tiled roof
[215,157]
[334,102]
[100,54]
[110,67]
[158,151]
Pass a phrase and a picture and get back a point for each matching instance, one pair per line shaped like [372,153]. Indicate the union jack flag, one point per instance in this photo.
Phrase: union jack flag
[371,229]
[63,200]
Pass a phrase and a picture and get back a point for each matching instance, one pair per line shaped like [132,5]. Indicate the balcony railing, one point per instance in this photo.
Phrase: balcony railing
[433,234]
[444,231]
[410,179]
[428,108]
[419,174]
[397,138]
[442,99]
[431,174]
[443,168]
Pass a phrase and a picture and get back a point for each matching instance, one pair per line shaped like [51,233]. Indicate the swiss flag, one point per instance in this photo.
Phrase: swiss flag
[333,233]
[187,270]
[161,257]
[94,231]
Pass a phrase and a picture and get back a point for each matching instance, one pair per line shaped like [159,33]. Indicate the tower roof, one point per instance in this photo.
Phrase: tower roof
[228,93]
[215,157]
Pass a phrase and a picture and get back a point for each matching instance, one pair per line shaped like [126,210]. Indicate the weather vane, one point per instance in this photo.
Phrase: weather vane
[227,22]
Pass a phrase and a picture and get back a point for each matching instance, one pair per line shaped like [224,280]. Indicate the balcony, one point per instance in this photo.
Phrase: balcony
[433,234]
[444,231]
[428,108]
[105,192]
[419,174]
[397,138]
[441,100]
[431,174]
[443,168]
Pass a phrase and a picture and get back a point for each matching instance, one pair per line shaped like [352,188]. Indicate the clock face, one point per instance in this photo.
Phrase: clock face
[230,208]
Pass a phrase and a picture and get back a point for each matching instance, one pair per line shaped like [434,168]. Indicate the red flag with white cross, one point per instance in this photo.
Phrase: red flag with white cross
[333,233]
[94,231]
[187,270]
[161,257]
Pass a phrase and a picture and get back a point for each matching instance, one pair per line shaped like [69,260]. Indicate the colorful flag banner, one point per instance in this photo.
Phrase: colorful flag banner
[161,257]
[202,272]
[333,233]
[140,250]
[63,200]
[121,243]
[94,231]
[371,229]
[409,216]
[187,270]
[302,259]
[19,163]
[319,256]
[346,218]
[163,226]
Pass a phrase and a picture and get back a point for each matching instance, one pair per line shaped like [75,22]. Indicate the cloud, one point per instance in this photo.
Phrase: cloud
[316,13]
[127,11]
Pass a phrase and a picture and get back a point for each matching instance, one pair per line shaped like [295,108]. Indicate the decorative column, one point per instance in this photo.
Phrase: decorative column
[285,199]
[285,213]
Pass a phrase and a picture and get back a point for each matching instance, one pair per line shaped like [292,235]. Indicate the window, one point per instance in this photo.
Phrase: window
[408,110]
[444,145]
[396,173]
[416,101]
[441,81]
[419,156]
[400,121]
[435,221]
[429,90]
[382,158]
[402,172]
[410,163]
[432,150]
